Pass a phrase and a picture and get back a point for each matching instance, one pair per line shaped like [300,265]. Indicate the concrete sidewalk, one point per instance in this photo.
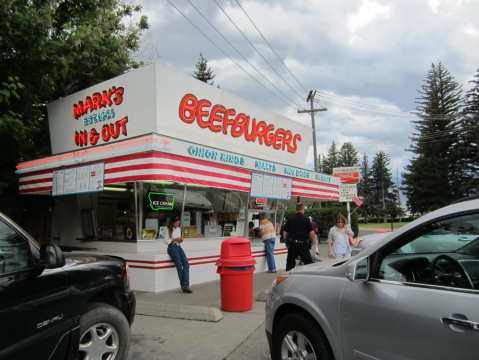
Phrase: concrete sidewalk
[205,302]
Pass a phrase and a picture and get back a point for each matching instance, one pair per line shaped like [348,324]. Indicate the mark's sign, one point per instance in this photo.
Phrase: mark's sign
[219,119]
[99,108]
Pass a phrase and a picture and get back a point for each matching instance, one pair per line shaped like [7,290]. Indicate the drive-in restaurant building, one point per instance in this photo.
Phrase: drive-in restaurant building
[133,152]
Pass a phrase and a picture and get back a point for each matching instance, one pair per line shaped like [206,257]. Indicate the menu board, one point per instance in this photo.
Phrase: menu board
[271,187]
[81,179]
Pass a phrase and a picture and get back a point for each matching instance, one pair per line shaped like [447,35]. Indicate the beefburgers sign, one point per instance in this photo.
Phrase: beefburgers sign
[157,99]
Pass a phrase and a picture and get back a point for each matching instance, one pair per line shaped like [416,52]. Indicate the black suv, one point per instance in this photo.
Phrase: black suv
[61,307]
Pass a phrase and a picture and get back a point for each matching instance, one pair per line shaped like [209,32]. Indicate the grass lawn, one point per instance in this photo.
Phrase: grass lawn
[373,226]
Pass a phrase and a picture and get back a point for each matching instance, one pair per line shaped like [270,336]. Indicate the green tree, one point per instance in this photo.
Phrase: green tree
[384,197]
[331,160]
[348,156]
[203,72]
[465,179]
[50,49]
[428,177]
[365,187]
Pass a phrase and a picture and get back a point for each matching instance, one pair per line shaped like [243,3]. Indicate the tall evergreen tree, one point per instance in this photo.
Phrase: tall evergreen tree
[427,179]
[364,187]
[331,160]
[348,156]
[384,198]
[466,150]
[202,71]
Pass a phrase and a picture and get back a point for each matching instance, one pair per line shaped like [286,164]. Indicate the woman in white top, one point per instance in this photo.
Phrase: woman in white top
[178,255]
[340,239]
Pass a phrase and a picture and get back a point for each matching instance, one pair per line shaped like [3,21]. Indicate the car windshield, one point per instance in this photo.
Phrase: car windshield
[446,237]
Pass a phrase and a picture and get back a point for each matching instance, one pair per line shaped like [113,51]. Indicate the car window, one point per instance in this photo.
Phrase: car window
[14,250]
[446,253]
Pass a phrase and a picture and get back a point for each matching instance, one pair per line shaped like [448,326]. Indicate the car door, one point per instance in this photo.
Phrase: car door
[413,307]
[33,317]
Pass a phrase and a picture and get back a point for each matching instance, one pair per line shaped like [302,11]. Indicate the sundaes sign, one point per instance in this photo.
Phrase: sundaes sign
[219,119]
[99,108]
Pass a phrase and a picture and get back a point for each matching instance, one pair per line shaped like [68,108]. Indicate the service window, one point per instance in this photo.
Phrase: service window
[14,251]
[445,253]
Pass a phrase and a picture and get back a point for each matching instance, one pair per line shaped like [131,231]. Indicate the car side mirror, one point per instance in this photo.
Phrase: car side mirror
[358,271]
[52,256]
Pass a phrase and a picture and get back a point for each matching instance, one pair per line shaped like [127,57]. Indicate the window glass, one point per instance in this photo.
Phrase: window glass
[14,251]
[446,254]
[162,203]
[115,214]
[213,212]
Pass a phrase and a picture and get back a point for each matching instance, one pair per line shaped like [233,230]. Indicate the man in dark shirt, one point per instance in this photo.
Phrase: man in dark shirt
[299,234]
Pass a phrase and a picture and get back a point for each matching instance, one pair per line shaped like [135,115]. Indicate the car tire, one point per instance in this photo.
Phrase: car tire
[107,328]
[294,326]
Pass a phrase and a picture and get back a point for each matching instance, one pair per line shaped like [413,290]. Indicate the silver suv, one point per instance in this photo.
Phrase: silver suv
[412,295]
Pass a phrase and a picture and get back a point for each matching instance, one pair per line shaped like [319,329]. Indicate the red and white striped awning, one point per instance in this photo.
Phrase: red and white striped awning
[314,189]
[169,167]
[153,166]
[147,158]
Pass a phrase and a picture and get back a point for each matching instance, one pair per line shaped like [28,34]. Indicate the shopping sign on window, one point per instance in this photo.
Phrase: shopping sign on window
[348,175]
[160,201]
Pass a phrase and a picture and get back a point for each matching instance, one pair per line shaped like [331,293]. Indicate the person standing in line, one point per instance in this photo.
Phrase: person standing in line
[177,254]
[299,234]
[340,239]
[268,235]
[315,243]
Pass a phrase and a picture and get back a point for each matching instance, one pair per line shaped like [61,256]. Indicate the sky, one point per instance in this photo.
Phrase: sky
[367,58]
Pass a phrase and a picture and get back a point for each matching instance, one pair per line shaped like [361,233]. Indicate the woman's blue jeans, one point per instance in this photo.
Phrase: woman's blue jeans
[269,248]
[181,262]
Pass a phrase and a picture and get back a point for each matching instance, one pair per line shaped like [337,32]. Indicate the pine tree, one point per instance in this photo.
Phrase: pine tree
[331,160]
[348,156]
[466,151]
[427,180]
[364,187]
[384,198]
[202,71]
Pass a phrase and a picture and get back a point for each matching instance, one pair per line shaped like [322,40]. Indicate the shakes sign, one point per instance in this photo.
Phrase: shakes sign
[157,99]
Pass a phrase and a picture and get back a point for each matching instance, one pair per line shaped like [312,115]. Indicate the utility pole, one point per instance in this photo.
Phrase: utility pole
[312,110]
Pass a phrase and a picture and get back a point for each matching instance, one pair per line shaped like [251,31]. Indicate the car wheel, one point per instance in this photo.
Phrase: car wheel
[104,334]
[296,337]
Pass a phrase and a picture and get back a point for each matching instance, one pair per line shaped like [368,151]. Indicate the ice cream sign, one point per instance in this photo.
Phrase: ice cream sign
[96,116]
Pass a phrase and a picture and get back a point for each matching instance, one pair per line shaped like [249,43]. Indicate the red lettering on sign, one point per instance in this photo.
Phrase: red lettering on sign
[107,132]
[110,97]
[217,119]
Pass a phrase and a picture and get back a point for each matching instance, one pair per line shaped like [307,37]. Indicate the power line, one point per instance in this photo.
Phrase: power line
[219,48]
[257,51]
[400,114]
[271,47]
[285,98]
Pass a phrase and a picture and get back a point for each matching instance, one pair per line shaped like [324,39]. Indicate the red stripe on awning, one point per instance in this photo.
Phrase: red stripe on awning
[314,189]
[175,168]
[316,183]
[34,190]
[34,181]
[180,179]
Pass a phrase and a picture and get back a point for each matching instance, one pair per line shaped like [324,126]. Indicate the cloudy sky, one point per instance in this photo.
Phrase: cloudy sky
[368,57]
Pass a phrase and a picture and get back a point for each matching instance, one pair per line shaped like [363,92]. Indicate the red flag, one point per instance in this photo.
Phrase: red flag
[358,200]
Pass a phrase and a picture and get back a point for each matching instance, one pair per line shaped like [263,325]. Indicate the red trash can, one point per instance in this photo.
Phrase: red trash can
[236,268]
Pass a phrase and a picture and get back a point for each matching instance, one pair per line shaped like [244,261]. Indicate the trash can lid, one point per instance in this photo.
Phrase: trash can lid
[235,247]
[236,262]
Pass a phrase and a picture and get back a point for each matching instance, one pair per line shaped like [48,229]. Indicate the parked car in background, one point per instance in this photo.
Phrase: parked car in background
[56,307]
[413,295]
